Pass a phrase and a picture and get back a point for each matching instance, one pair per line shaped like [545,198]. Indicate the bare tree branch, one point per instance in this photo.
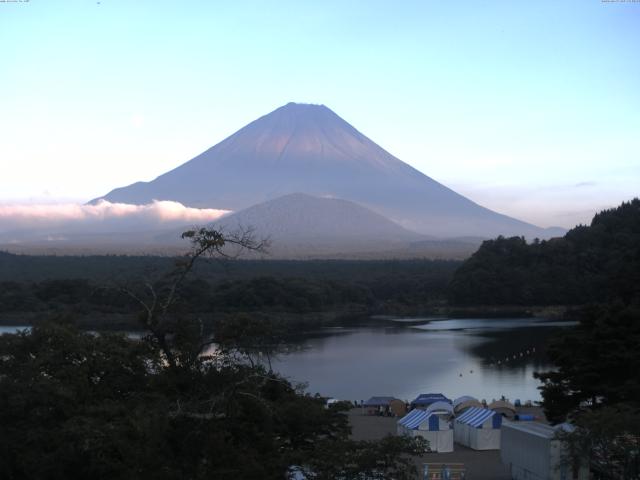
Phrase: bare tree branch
[162,295]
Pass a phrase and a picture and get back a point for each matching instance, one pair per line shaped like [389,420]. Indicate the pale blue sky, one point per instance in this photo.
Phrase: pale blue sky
[529,108]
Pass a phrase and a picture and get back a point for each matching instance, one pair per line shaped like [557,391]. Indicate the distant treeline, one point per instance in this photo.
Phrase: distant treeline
[239,286]
[596,263]
[105,268]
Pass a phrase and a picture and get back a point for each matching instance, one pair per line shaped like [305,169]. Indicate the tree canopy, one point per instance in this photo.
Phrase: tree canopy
[597,388]
[597,363]
[596,263]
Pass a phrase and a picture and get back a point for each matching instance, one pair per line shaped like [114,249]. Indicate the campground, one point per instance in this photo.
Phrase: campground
[480,465]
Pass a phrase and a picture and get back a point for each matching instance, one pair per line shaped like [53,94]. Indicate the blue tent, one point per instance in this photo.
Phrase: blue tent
[378,401]
[425,399]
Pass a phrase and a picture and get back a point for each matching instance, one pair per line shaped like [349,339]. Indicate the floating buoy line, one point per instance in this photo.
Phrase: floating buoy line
[515,356]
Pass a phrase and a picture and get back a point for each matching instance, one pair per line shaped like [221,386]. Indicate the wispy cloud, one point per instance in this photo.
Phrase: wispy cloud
[585,184]
[103,216]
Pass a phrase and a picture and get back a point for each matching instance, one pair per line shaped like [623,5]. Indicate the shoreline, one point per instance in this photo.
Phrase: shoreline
[300,321]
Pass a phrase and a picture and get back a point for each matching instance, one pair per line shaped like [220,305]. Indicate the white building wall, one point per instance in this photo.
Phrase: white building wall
[526,454]
[534,457]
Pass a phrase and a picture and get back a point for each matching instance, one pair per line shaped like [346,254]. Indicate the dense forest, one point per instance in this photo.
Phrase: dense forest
[60,285]
[594,263]
[109,268]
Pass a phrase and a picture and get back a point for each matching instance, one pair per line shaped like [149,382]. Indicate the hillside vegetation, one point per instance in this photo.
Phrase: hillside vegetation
[595,263]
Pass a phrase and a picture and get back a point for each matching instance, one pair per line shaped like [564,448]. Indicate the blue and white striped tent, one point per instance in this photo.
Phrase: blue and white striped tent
[478,428]
[476,417]
[420,419]
[430,426]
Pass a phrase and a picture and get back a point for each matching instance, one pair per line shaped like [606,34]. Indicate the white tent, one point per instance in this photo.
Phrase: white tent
[441,408]
[532,452]
[430,426]
[478,428]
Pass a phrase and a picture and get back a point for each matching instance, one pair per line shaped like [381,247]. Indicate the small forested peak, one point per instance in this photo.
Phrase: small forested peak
[592,263]
[625,217]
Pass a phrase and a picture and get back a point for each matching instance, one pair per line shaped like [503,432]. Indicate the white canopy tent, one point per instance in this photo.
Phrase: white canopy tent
[478,428]
[430,426]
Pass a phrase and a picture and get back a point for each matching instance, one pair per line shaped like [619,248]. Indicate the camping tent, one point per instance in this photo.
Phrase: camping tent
[478,428]
[425,399]
[461,404]
[441,408]
[430,426]
[504,408]
[532,451]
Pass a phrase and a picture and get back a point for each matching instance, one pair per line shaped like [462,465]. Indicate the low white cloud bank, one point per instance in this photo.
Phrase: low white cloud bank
[103,217]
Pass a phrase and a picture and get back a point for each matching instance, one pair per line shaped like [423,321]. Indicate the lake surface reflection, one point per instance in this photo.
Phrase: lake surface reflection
[486,358]
[12,329]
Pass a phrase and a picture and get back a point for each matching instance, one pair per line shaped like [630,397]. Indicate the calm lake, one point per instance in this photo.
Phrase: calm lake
[485,358]
[455,357]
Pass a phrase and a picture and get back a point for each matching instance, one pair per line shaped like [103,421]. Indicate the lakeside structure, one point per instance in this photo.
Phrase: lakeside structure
[532,451]
[485,442]
[499,441]
[525,447]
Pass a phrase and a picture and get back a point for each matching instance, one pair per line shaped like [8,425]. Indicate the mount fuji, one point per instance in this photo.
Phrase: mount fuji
[308,149]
